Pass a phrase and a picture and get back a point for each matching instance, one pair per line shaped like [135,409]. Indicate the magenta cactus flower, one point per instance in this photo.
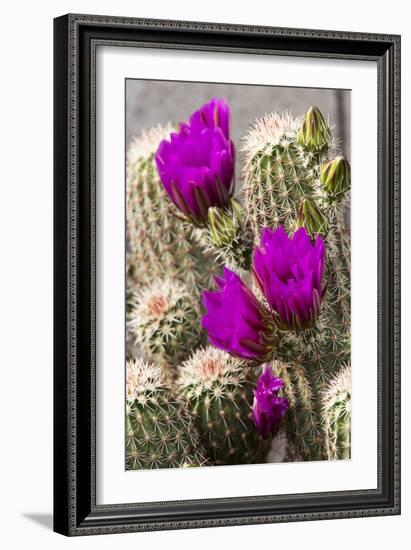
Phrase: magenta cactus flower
[236,322]
[268,407]
[289,272]
[196,166]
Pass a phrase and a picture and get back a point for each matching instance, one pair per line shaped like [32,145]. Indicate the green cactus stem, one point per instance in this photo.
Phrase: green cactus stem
[337,415]
[218,390]
[165,321]
[160,433]
[282,186]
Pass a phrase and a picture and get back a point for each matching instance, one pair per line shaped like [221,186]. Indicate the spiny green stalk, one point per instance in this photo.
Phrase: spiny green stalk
[337,415]
[302,422]
[160,433]
[307,361]
[276,178]
[165,321]
[218,390]
[283,186]
[160,244]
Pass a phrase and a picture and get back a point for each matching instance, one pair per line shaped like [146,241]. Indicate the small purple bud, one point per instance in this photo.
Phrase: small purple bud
[268,408]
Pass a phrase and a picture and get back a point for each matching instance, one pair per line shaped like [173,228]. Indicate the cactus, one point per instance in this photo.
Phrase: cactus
[337,415]
[286,184]
[160,433]
[303,422]
[218,390]
[159,243]
[292,178]
[164,320]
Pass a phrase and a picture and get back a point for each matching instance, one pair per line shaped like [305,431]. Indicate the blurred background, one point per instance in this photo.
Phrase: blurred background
[151,102]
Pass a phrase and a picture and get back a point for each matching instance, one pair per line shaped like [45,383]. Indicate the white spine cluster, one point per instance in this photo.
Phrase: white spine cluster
[270,130]
[208,365]
[147,142]
[142,379]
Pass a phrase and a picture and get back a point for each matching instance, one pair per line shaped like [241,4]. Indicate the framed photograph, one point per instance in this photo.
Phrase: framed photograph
[227,278]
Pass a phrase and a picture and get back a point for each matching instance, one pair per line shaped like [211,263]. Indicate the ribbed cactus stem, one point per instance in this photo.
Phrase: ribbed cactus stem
[306,362]
[337,415]
[276,179]
[218,390]
[159,243]
[282,187]
[160,433]
[339,261]
[165,321]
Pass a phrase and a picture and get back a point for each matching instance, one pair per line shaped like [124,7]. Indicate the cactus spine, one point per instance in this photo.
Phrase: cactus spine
[159,243]
[165,320]
[283,186]
[160,433]
[337,415]
[218,390]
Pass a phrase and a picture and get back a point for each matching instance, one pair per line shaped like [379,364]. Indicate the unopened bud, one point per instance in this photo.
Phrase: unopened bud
[314,132]
[224,224]
[335,177]
[312,218]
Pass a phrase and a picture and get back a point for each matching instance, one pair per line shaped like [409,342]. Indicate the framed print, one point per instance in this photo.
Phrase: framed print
[227,280]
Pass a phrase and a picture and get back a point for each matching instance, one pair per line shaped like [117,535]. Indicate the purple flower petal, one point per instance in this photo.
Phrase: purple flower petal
[196,165]
[289,272]
[235,321]
[268,407]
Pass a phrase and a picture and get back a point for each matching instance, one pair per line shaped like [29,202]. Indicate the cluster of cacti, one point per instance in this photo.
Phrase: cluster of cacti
[265,349]
[160,433]
[292,180]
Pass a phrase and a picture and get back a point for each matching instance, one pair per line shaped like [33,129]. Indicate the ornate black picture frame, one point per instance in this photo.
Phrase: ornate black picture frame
[75,41]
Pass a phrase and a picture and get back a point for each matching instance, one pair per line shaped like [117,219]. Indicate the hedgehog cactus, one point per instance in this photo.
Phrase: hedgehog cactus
[159,243]
[160,433]
[276,178]
[337,415]
[282,299]
[218,390]
[303,421]
[164,319]
[290,180]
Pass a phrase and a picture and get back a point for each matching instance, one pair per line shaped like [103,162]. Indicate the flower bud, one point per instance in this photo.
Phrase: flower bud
[314,132]
[311,218]
[225,224]
[335,177]
[269,407]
